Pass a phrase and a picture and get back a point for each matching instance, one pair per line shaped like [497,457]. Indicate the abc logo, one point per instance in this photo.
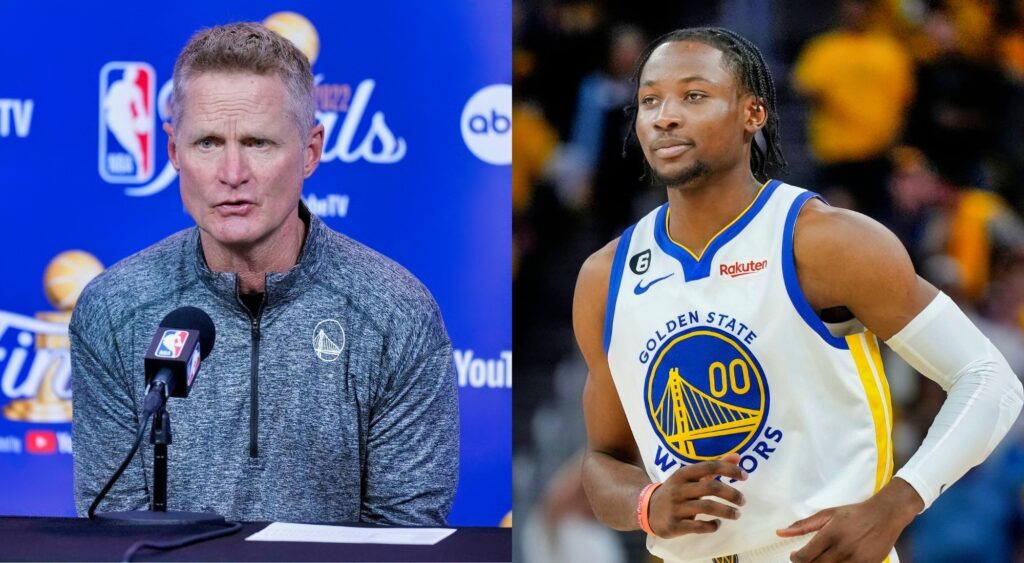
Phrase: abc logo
[487,124]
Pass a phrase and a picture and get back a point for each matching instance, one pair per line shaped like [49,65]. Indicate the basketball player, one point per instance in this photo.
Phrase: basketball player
[736,406]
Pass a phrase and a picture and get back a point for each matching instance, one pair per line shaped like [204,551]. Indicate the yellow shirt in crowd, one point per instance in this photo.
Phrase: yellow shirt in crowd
[969,241]
[860,86]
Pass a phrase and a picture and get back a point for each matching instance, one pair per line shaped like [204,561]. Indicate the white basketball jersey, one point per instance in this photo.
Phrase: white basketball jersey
[722,353]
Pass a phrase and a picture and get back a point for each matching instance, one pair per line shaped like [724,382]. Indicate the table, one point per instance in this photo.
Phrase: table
[78,539]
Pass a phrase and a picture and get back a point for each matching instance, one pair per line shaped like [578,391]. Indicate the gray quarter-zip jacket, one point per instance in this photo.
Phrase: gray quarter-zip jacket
[337,403]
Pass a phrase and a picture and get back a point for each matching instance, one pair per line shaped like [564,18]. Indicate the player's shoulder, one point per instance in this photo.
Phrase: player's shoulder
[833,239]
[591,297]
[826,226]
[595,272]
[600,262]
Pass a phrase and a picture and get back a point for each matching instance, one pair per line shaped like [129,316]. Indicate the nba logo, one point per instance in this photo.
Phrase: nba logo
[193,365]
[171,343]
[127,124]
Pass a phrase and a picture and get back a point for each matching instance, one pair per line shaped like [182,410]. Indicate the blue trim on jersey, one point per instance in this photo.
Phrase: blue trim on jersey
[796,294]
[696,269]
[618,264]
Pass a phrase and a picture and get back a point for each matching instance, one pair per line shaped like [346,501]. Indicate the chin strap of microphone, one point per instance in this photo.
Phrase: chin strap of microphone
[124,464]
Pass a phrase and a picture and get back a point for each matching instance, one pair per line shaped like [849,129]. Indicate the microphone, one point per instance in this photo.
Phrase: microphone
[183,340]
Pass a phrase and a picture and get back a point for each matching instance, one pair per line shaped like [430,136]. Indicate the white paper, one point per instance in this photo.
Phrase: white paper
[281,531]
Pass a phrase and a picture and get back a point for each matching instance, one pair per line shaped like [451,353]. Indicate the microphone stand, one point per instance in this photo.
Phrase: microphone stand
[160,437]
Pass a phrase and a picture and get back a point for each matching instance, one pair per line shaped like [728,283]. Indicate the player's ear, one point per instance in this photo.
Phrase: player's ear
[172,149]
[755,113]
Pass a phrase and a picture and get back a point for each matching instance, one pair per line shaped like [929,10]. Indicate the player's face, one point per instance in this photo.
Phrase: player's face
[690,122]
[241,158]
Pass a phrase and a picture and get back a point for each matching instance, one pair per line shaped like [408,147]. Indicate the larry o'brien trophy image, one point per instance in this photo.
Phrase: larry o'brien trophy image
[44,394]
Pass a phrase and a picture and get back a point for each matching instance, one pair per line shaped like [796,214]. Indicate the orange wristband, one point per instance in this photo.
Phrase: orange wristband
[643,507]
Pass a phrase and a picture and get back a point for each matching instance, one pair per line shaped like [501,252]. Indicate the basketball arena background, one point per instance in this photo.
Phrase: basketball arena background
[416,102]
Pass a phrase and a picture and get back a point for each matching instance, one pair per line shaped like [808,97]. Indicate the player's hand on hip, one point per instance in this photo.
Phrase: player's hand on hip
[863,532]
[854,533]
[677,502]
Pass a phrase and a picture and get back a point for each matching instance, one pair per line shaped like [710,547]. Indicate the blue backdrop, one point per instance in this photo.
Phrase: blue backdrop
[416,102]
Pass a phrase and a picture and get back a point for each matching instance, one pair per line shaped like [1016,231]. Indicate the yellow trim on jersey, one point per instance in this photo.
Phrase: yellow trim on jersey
[872,345]
[712,239]
[864,349]
[876,354]
[876,357]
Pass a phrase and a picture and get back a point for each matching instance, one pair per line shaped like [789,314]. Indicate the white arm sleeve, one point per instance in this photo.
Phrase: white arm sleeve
[983,395]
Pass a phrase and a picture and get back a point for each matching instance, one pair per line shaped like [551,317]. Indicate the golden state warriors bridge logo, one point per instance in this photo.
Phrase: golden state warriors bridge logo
[706,394]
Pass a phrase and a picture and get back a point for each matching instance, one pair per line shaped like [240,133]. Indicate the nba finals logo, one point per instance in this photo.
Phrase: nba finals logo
[127,122]
[131,103]
[171,343]
[340,109]
[34,351]
[705,395]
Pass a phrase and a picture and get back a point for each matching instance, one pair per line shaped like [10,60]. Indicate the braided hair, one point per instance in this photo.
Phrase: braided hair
[748,64]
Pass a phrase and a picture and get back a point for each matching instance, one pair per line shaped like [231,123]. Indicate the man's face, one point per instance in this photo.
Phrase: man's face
[241,158]
[690,115]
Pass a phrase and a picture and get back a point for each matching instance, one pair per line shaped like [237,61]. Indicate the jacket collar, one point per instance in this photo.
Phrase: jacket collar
[280,286]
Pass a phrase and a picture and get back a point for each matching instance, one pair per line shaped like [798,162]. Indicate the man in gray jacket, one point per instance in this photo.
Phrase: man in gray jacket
[329,395]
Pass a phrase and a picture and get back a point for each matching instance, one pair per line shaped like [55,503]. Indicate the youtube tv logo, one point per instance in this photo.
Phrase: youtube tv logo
[41,442]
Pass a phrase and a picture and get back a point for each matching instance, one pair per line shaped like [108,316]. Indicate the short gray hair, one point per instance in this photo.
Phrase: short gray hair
[247,47]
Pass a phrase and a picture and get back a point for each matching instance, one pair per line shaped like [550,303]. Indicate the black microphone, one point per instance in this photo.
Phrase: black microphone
[183,340]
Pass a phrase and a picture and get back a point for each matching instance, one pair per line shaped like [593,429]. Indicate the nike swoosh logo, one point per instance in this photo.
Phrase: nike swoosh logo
[640,288]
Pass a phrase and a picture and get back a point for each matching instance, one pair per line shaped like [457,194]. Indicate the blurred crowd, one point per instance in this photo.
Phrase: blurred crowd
[909,111]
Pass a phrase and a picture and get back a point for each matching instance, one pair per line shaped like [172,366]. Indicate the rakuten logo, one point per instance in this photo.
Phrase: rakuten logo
[738,269]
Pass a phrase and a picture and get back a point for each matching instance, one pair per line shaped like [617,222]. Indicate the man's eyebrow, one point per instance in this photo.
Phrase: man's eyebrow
[198,134]
[682,80]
